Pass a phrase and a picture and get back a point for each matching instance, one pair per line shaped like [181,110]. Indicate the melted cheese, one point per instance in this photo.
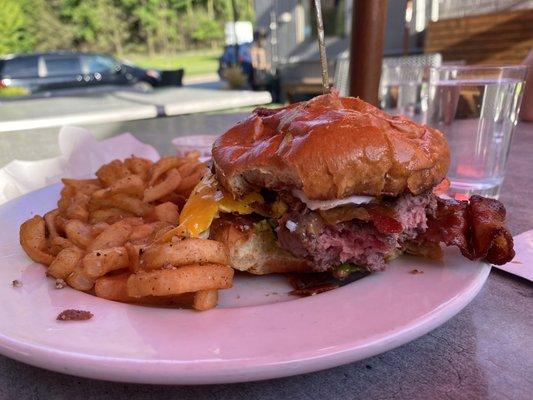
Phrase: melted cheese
[328,204]
[199,210]
[244,206]
[205,202]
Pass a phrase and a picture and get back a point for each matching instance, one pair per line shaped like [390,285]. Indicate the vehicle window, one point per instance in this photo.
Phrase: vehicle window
[63,66]
[21,67]
[100,64]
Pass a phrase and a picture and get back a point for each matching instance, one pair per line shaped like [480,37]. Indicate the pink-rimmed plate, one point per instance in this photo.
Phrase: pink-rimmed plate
[258,331]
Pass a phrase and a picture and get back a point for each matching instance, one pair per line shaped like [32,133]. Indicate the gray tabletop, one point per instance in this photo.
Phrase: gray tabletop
[486,351]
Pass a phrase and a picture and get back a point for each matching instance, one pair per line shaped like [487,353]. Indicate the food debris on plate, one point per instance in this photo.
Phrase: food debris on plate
[416,271]
[60,283]
[74,315]
[16,283]
[311,291]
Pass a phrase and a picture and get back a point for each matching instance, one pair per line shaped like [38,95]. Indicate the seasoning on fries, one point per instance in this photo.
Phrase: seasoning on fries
[105,235]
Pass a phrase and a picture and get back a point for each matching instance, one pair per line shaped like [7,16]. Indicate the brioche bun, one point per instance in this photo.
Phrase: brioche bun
[256,252]
[330,147]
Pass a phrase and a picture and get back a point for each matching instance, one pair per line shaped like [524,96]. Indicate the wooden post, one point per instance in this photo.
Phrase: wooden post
[366,48]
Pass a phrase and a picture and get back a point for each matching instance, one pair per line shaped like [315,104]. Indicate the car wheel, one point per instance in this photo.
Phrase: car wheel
[143,86]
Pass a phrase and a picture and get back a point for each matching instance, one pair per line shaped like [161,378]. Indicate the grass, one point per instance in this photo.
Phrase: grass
[194,62]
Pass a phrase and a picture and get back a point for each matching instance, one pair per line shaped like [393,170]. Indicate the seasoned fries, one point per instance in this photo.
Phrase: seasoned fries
[184,252]
[167,186]
[205,299]
[167,212]
[114,235]
[33,240]
[186,279]
[97,263]
[104,237]
[65,262]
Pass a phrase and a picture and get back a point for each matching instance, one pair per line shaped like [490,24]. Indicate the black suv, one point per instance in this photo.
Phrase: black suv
[41,72]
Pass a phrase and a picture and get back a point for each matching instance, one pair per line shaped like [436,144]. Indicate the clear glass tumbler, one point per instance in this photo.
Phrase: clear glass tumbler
[403,90]
[476,107]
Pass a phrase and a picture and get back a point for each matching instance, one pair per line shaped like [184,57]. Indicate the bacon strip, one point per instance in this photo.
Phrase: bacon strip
[490,238]
[477,227]
[382,216]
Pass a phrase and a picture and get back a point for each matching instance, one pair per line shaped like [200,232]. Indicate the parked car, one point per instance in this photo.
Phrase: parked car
[40,72]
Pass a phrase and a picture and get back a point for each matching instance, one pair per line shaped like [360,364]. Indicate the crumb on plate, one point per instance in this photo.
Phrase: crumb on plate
[16,283]
[74,315]
[416,271]
[60,283]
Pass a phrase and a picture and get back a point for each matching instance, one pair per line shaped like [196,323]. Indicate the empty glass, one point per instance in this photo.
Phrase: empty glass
[476,107]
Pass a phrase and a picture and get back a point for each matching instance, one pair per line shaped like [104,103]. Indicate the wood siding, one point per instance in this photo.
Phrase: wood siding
[498,38]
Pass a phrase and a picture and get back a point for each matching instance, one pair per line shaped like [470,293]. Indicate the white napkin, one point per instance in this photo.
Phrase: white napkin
[81,155]
[522,264]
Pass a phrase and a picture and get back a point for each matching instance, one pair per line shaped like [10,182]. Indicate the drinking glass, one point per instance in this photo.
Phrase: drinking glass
[404,90]
[476,107]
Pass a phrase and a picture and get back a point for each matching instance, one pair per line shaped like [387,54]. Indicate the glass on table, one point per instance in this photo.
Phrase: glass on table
[476,107]
[403,90]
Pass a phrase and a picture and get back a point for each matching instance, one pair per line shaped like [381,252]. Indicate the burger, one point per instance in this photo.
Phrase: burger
[335,184]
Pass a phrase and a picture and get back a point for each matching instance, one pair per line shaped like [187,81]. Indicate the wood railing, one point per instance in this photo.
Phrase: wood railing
[498,38]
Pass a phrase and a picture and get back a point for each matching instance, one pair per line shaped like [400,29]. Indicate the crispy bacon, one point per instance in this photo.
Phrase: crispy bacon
[490,238]
[383,216]
[476,227]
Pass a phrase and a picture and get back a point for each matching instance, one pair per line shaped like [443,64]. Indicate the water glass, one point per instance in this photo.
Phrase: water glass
[476,107]
[404,90]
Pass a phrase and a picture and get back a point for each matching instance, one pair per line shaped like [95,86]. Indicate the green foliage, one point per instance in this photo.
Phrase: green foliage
[13,25]
[206,29]
[48,30]
[116,26]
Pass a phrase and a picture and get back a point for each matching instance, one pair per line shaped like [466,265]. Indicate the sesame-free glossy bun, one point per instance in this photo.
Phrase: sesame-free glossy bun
[330,147]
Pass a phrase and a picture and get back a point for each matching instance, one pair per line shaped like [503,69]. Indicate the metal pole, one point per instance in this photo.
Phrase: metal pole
[234,17]
[322,47]
[274,36]
[366,49]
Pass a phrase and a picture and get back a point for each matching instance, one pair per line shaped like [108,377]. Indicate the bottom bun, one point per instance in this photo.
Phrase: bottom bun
[256,250]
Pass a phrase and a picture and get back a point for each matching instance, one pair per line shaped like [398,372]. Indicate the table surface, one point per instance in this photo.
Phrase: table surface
[486,351]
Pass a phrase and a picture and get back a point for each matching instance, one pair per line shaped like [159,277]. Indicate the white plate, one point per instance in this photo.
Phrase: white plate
[258,332]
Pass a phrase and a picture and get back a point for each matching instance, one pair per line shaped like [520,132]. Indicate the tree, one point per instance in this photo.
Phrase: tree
[98,24]
[13,25]
[112,26]
[155,26]
[45,28]
[147,14]
[206,30]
